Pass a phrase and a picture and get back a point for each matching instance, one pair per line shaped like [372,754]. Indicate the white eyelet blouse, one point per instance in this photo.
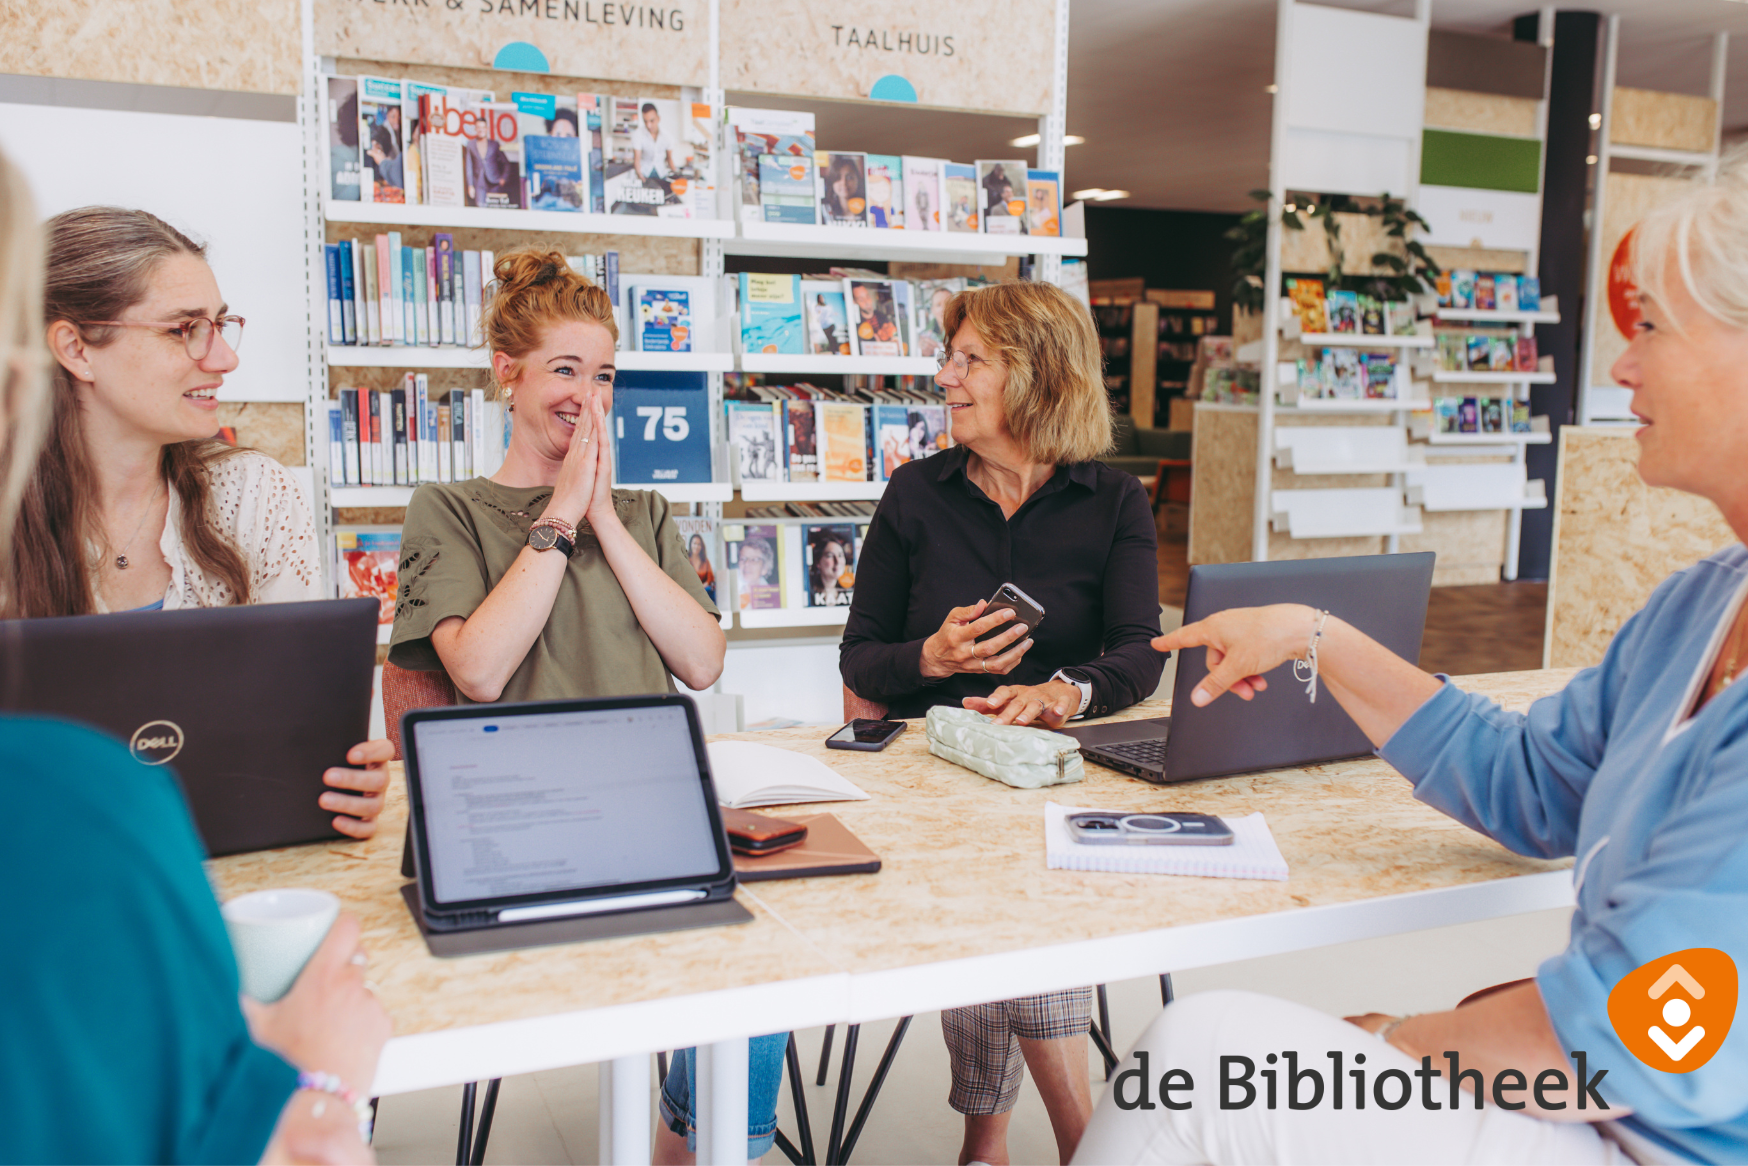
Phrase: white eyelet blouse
[259,506]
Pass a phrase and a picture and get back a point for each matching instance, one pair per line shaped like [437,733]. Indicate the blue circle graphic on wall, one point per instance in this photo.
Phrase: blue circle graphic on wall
[525,58]
[892,87]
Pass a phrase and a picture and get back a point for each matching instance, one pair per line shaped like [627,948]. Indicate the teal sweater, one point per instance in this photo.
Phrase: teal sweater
[123,1040]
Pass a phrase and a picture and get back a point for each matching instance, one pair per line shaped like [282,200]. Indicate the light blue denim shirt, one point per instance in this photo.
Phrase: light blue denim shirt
[1656,811]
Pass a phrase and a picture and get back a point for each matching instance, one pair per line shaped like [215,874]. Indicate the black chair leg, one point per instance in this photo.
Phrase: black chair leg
[867,1105]
[798,1094]
[842,1107]
[825,1055]
[374,1102]
[661,1069]
[489,1108]
[464,1144]
[789,1150]
[1166,995]
[1102,1033]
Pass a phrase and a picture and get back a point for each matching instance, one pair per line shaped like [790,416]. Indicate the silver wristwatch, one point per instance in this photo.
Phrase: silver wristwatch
[1081,681]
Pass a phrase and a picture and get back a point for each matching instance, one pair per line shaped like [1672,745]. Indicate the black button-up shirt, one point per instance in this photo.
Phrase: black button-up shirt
[1083,546]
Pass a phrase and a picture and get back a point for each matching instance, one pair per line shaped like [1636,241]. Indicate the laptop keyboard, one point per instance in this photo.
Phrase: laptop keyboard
[1147,753]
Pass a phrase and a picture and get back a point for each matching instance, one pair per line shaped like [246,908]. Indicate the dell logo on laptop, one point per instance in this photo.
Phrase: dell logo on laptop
[156,742]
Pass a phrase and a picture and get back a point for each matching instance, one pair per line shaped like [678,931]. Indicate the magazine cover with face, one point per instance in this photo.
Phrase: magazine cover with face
[922,193]
[493,157]
[828,328]
[802,426]
[885,191]
[1043,202]
[752,554]
[649,155]
[830,553]
[369,561]
[786,137]
[929,332]
[752,430]
[552,151]
[843,189]
[1002,186]
[960,182]
[341,112]
[382,139]
[698,536]
[875,327]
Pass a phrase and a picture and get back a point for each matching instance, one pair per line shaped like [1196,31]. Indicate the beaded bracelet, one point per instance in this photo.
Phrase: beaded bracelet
[318,1082]
[1308,675]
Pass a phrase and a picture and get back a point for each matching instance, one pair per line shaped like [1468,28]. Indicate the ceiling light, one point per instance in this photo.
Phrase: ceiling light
[1025,140]
[1271,88]
[1108,195]
[1290,207]
[1596,121]
[1590,160]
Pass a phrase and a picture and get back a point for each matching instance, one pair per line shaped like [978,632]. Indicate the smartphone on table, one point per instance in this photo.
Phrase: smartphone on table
[757,834]
[867,735]
[1010,598]
[1164,829]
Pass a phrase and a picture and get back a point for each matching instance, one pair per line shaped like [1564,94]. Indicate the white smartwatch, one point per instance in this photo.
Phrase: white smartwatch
[1081,681]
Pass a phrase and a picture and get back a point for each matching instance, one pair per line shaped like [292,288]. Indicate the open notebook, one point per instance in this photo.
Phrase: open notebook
[1252,855]
[748,775]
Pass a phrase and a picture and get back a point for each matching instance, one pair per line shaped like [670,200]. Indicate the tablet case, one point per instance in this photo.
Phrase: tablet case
[830,849]
[576,929]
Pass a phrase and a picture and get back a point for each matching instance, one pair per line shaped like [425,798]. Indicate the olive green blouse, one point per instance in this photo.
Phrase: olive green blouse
[460,539]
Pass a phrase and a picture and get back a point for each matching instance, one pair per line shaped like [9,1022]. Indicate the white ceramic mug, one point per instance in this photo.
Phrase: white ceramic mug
[274,934]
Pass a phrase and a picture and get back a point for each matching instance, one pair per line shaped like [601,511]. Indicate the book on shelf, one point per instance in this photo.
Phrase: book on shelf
[843,188]
[443,243]
[1492,417]
[1344,311]
[348,253]
[1527,360]
[381,175]
[878,328]
[843,438]
[661,427]
[1468,415]
[592,118]
[770,313]
[699,538]
[1462,290]
[444,123]
[493,159]
[388,283]
[801,427]
[663,319]
[340,114]
[1520,417]
[923,196]
[1003,187]
[367,561]
[371,321]
[959,184]
[755,552]
[1505,293]
[651,168]
[1306,295]
[1484,301]
[885,175]
[929,314]
[774,150]
[1044,202]
[413,94]
[1529,294]
[829,562]
[470,291]
[1371,315]
[397,436]
[552,152]
[1399,318]
[1444,414]
[752,436]
[1480,352]
[828,327]
[336,314]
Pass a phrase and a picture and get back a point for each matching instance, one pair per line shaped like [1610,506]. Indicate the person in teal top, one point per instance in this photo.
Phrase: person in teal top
[122,1034]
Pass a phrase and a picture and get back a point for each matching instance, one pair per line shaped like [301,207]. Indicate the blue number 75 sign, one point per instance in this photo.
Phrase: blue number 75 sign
[661,424]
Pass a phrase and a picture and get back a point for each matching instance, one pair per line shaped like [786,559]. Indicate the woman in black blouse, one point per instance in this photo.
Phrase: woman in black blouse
[1019,499]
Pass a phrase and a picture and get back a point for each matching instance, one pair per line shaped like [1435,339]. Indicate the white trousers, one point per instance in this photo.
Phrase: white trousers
[1195,1032]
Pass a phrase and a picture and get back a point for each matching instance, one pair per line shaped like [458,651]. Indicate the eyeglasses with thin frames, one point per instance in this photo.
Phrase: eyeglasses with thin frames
[962,363]
[197,332]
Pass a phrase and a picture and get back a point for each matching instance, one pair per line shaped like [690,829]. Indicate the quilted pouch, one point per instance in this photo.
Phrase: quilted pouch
[1022,757]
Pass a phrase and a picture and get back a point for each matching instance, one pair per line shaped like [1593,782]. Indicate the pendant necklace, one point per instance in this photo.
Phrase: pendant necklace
[121,560]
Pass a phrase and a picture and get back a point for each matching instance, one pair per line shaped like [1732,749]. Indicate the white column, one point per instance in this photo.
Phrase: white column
[721,1102]
[1271,290]
[624,1111]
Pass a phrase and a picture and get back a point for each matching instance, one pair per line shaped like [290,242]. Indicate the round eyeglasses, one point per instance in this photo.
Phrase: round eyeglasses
[197,332]
[960,362]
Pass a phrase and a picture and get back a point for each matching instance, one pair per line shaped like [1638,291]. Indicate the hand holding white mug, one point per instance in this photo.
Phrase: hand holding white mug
[954,648]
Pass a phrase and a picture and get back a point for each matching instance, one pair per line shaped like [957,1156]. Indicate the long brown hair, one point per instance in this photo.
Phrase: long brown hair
[100,264]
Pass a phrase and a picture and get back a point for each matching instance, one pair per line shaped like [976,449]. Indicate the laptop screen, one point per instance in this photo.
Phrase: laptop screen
[562,801]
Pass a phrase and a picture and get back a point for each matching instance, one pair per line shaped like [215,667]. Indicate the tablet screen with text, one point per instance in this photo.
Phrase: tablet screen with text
[550,802]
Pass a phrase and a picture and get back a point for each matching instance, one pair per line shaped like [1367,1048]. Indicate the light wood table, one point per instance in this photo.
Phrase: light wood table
[963,911]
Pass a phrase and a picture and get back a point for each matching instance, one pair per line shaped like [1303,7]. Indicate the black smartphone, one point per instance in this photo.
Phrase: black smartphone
[1024,607]
[868,736]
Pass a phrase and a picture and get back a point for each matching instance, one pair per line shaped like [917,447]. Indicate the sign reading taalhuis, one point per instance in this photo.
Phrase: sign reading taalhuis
[664,43]
[991,55]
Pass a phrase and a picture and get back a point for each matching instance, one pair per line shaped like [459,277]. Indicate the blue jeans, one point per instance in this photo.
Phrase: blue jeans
[764,1078]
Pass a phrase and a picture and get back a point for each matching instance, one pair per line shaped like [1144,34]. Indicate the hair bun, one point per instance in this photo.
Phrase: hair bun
[522,269]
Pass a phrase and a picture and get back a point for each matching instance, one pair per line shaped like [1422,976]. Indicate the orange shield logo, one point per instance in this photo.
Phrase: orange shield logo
[1674,1013]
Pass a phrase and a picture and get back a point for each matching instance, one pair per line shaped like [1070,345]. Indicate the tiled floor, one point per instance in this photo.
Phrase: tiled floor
[1494,628]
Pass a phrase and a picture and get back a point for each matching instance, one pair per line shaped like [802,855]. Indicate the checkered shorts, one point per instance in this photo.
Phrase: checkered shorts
[983,1041]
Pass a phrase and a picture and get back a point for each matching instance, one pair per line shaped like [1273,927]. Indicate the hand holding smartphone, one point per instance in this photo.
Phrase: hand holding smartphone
[1007,597]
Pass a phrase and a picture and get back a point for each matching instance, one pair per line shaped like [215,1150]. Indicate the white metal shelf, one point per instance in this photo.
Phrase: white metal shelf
[355,496]
[1542,438]
[1496,316]
[794,617]
[1360,340]
[1355,405]
[1355,513]
[1444,377]
[783,362]
[408,356]
[489,218]
[811,492]
[1451,487]
[1702,159]
[797,240]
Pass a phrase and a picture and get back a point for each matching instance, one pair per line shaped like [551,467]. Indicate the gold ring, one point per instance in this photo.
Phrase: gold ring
[983,662]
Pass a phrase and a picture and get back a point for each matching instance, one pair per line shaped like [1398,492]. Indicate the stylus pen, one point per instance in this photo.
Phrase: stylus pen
[595,906]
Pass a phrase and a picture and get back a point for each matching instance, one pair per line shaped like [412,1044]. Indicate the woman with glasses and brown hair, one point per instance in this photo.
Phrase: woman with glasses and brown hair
[134,503]
[1019,499]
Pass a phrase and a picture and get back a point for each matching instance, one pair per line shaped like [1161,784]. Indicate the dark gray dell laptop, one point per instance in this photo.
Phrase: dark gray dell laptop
[1382,595]
[246,705]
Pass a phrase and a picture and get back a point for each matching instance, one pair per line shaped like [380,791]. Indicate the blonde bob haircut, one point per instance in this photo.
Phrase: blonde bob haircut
[1705,231]
[1054,401]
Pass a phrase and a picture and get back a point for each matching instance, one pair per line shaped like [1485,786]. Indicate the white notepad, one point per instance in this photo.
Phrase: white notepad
[1252,855]
[748,774]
